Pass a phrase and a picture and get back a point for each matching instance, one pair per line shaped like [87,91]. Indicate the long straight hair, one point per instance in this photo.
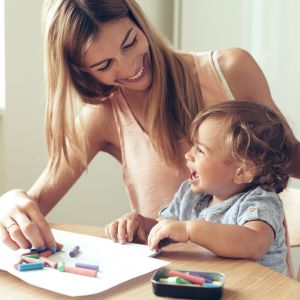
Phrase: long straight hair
[70,28]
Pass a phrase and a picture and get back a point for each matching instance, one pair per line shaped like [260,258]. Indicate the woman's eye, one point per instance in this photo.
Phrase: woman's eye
[130,44]
[106,67]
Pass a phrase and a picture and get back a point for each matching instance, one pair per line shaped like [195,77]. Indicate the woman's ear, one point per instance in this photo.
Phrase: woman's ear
[245,173]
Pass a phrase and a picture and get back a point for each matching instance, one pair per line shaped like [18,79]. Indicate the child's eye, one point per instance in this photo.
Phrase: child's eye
[199,150]
[130,44]
[106,67]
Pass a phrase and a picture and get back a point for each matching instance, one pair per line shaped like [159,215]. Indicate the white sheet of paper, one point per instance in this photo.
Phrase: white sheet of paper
[117,263]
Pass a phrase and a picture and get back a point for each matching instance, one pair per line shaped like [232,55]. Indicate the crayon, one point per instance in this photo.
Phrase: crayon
[214,284]
[175,280]
[48,262]
[32,255]
[80,271]
[42,249]
[87,266]
[207,278]
[28,259]
[46,253]
[191,278]
[74,251]
[30,266]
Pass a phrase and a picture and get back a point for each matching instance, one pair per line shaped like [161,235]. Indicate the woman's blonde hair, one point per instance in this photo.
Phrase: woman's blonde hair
[255,133]
[70,27]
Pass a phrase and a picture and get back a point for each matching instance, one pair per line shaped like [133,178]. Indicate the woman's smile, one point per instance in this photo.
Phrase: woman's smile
[138,75]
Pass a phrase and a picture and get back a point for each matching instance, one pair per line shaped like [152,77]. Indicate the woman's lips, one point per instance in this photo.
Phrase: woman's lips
[139,74]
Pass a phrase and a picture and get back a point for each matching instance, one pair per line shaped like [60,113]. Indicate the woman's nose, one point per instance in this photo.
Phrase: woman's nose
[127,67]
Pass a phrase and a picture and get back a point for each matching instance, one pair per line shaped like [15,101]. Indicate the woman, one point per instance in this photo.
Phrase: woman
[132,96]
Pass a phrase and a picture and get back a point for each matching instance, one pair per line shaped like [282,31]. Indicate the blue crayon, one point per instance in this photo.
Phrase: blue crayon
[31,266]
[214,284]
[41,249]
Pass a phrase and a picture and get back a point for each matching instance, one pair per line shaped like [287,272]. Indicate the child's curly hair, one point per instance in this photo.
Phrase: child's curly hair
[253,132]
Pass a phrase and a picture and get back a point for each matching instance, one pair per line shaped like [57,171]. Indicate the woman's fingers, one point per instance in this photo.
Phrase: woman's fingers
[38,229]
[17,234]
[22,223]
[6,239]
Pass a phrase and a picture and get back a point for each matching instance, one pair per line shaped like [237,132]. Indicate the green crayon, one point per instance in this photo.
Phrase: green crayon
[175,280]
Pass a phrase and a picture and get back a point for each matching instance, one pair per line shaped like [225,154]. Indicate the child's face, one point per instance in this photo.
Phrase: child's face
[211,173]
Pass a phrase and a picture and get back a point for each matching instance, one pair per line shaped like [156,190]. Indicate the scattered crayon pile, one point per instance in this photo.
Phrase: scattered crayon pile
[37,259]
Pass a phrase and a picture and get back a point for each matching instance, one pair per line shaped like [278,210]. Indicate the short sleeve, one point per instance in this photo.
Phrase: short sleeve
[264,206]
[172,211]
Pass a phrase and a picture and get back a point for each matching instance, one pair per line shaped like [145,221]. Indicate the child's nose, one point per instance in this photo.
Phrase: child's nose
[188,155]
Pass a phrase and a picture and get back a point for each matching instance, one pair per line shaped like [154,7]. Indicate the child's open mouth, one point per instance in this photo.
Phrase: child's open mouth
[194,176]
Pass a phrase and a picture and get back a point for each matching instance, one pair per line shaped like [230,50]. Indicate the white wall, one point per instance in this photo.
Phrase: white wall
[99,196]
[267,29]
[220,24]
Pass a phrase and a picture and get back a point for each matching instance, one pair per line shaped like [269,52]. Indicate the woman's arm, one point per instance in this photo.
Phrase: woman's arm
[97,130]
[27,210]
[247,82]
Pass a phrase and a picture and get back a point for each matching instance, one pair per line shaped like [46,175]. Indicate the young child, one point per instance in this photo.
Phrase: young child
[229,204]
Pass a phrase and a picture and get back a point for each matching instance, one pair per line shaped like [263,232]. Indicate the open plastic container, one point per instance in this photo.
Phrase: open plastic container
[188,291]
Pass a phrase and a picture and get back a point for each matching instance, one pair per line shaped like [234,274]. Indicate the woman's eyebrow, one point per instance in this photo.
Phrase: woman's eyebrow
[122,45]
[126,37]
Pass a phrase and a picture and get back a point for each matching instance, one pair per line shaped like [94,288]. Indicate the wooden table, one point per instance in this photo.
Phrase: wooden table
[244,279]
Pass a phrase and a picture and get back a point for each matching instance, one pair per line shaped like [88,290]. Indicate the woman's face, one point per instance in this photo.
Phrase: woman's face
[120,56]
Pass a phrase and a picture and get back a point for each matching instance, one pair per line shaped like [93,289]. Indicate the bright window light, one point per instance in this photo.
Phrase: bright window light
[2,65]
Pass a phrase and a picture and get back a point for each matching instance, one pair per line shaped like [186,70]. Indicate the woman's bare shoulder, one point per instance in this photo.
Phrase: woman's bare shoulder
[99,125]
[243,75]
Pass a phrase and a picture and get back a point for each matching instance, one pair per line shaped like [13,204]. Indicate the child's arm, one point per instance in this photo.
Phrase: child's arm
[130,227]
[250,241]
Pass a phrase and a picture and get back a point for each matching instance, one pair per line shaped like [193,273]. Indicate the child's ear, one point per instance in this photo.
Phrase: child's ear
[245,173]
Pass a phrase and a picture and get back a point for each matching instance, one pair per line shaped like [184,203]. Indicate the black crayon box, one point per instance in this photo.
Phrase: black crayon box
[209,287]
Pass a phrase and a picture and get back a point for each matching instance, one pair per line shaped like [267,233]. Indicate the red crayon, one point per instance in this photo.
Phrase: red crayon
[191,278]
[46,253]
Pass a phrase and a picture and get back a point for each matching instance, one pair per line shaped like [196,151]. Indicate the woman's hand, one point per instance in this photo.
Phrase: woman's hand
[130,227]
[167,229]
[22,224]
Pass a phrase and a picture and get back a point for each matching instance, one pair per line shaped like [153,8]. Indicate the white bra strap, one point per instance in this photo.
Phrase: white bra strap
[221,76]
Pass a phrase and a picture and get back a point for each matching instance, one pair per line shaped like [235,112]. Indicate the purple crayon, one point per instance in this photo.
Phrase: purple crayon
[74,251]
[87,266]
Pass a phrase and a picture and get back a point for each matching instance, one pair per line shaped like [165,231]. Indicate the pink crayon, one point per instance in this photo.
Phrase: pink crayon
[80,271]
[48,262]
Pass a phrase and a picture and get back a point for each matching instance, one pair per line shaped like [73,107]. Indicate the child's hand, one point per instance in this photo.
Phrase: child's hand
[131,226]
[165,228]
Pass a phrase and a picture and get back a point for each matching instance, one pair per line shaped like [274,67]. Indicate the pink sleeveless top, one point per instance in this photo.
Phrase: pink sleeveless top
[150,183]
